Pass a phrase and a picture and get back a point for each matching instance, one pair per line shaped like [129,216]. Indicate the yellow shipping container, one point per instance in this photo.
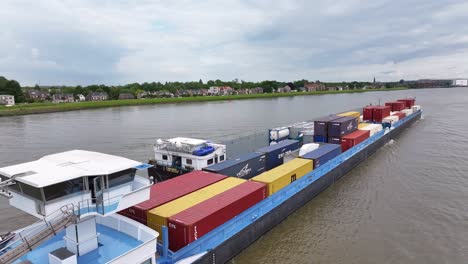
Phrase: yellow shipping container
[352,113]
[279,177]
[362,125]
[158,216]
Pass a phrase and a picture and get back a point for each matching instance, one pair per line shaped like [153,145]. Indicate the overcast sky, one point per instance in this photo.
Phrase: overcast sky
[116,42]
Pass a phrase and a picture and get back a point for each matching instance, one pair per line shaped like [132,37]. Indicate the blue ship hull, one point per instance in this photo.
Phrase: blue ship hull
[229,239]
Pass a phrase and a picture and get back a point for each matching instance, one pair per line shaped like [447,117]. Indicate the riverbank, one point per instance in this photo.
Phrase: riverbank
[39,108]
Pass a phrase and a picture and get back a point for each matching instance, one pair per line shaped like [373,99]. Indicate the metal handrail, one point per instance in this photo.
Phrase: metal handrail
[26,235]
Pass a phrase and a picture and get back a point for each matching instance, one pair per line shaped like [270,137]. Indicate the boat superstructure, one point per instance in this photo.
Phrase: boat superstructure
[175,156]
[76,194]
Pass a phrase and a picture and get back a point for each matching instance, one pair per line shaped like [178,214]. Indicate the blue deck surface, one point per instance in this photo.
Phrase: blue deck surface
[112,244]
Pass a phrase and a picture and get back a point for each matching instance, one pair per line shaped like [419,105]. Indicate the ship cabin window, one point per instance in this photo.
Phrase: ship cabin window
[210,161]
[120,177]
[63,188]
[188,161]
[221,158]
[164,157]
[30,191]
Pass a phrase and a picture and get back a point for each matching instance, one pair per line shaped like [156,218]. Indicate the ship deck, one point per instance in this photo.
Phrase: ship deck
[112,244]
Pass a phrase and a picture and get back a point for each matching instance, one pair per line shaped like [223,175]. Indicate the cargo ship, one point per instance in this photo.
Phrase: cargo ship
[203,216]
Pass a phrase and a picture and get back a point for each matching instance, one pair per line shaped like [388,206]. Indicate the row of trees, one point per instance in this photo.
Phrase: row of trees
[135,88]
[11,87]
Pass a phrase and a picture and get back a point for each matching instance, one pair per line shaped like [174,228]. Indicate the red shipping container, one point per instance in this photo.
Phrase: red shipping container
[367,113]
[408,102]
[353,139]
[400,115]
[188,225]
[380,112]
[166,191]
[396,106]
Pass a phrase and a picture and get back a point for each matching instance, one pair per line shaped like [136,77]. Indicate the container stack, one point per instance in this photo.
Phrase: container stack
[396,106]
[321,128]
[353,139]
[379,113]
[400,115]
[407,112]
[323,154]
[166,191]
[244,166]
[274,154]
[341,127]
[194,222]
[158,217]
[281,176]
[409,102]
[372,128]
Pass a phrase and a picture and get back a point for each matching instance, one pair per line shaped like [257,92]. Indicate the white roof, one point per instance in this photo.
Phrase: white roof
[66,166]
[188,141]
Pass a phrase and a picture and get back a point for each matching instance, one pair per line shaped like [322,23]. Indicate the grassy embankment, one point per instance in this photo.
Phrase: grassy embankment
[37,108]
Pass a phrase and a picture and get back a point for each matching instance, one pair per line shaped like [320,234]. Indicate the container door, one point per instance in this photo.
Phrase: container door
[293,177]
[98,183]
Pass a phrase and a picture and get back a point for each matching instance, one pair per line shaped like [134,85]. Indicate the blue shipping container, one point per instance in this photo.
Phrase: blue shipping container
[274,153]
[342,126]
[323,154]
[245,166]
[321,125]
[334,140]
[320,139]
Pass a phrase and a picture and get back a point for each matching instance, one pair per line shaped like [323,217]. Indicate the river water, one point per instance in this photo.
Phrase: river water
[406,203]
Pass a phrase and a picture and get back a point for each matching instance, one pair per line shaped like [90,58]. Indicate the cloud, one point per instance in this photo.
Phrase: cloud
[117,42]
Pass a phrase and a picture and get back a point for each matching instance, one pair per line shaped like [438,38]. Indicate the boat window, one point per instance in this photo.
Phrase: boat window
[221,158]
[164,157]
[210,161]
[63,188]
[120,177]
[31,191]
[189,161]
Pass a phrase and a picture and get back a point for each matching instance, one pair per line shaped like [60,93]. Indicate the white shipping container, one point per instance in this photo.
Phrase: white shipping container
[373,128]
[416,108]
[407,111]
[361,119]
[390,119]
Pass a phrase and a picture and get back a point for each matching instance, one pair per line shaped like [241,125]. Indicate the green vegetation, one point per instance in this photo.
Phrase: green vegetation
[37,108]
[11,87]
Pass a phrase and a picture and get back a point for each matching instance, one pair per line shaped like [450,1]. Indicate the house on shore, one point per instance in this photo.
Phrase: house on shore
[256,90]
[37,95]
[126,96]
[80,98]
[63,98]
[6,99]
[97,96]
[314,87]
[213,90]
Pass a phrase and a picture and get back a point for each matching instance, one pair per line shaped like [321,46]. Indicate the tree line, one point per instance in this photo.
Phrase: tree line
[12,87]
